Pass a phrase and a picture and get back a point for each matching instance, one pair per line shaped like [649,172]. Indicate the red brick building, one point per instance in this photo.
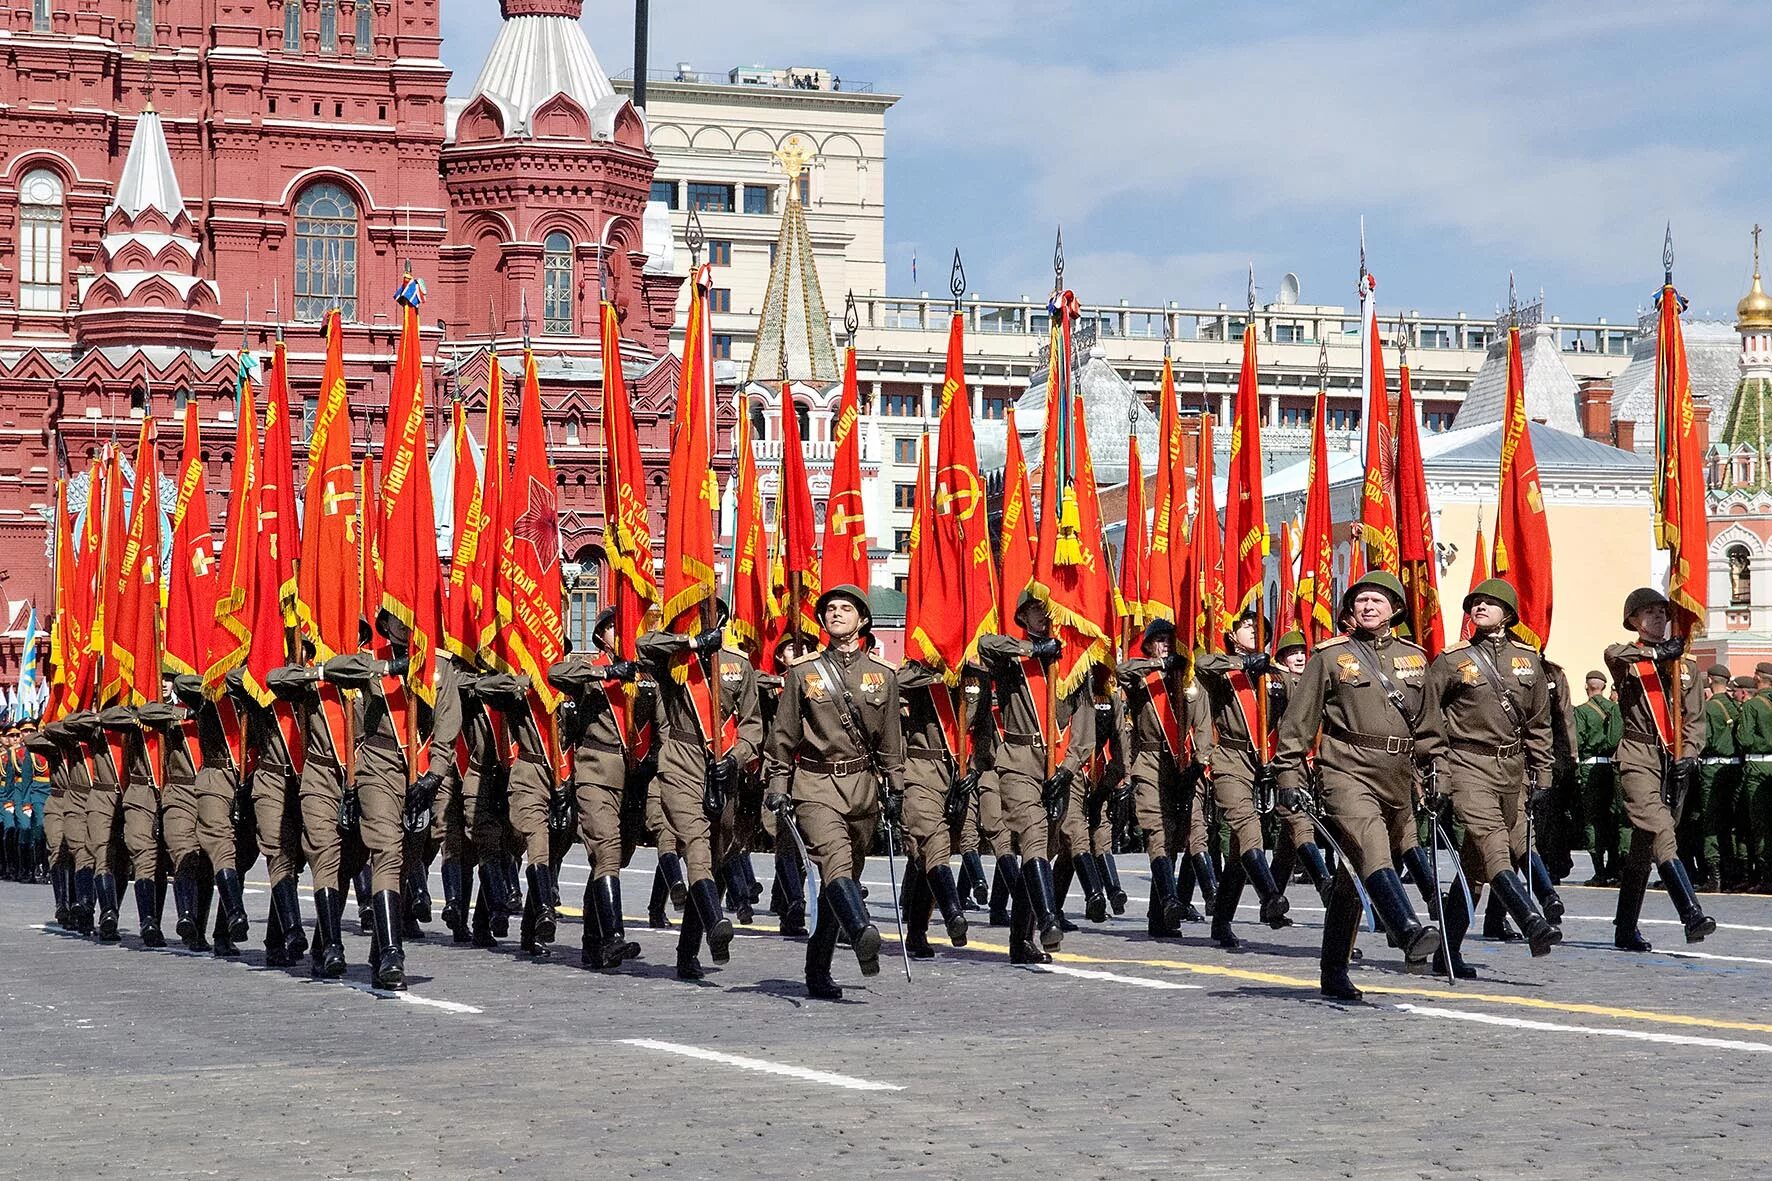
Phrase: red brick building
[178,176]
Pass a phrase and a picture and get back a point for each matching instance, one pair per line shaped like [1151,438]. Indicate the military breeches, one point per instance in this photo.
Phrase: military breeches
[1487,799]
[141,830]
[486,815]
[1639,779]
[1233,790]
[1023,812]
[838,823]
[321,794]
[1156,804]
[1367,797]
[74,829]
[381,806]
[599,810]
[531,790]
[1295,828]
[178,821]
[1070,833]
[969,838]
[1101,821]
[682,775]
[990,814]
[449,823]
[281,816]
[925,811]
[55,833]
[104,838]
[211,800]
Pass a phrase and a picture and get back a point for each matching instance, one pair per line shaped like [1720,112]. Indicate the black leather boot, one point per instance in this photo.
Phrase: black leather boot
[184,903]
[1003,888]
[738,890]
[1036,880]
[1679,888]
[541,891]
[1341,922]
[1310,856]
[1024,947]
[715,926]
[526,938]
[148,914]
[1416,940]
[655,906]
[205,888]
[1095,902]
[819,949]
[225,947]
[1206,878]
[326,957]
[1164,915]
[917,904]
[790,880]
[480,929]
[492,896]
[232,893]
[1539,934]
[1495,922]
[362,884]
[1062,872]
[1110,874]
[948,897]
[590,952]
[672,867]
[418,891]
[975,888]
[1273,900]
[1184,890]
[275,954]
[60,882]
[1456,922]
[603,902]
[688,943]
[105,886]
[455,905]
[844,896]
[1549,901]
[1224,909]
[286,905]
[390,961]
[1419,862]
[85,897]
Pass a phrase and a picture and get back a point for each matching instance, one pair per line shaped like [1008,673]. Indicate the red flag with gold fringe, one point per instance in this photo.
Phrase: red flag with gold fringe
[1245,510]
[1680,523]
[190,596]
[330,606]
[1522,531]
[411,580]
[694,496]
[845,557]
[137,643]
[1133,555]
[1315,597]
[1419,566]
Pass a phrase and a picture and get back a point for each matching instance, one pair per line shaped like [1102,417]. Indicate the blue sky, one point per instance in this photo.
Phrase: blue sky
[1179,142]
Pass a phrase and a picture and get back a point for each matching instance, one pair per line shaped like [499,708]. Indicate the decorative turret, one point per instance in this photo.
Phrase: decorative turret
[1753,319]
[794,332]
[542,80]
[148,288]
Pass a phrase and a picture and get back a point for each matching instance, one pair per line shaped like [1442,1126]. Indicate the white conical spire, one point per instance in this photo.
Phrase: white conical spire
[541,50]
[148,181]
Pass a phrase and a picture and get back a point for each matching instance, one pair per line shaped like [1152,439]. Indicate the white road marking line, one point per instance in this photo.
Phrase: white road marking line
[1638,1035]
[1711,955]
[410,998]
[1114,977]
[762,1066]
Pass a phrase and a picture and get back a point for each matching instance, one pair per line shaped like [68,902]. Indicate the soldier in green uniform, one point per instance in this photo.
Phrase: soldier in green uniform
[1719,776]
[1356,702]
[1599,728]
[1726,790]
[1663,734]
[1753,818]
[834,759]
[1485,734]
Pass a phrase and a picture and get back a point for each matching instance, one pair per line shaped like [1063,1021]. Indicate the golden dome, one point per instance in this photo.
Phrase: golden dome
[1754,312]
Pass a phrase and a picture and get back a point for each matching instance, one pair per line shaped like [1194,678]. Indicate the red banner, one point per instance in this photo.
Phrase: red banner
[136,643]
[1680,524]
[330,606]
[845,558]
[1017,532]
[1522,531]
[1245,511]
[1418,563]
[411,583]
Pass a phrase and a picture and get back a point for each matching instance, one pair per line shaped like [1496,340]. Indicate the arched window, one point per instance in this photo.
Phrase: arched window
[292,26]
[40,241]
[179,397]
[759,422]
[365,28]
[144,22]
[804,418]
[1741,579]
[325,252]
[572,430]
[556,267]
[328,26]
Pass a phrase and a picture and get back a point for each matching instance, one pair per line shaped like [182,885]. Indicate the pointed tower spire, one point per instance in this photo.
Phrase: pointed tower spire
[794,331]
[148,181]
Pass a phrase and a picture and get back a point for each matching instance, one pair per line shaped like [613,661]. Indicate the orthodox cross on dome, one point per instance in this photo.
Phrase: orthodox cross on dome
[794,330]
[793,160]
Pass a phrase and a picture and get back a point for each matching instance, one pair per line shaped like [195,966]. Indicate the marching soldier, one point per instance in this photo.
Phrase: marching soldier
[1160,750]
[140,818]
[208,741]
[614,735]
[835,756]
[1238,761]
[1485,731]
[1663,734]
[531,775]
[1298,834]
[712,730]
[309,726]
[104,802]
[1719,775]
[76,779]
[1728,792]
[1356,701]
[58,849]
[1031,792]
[1599,728]
[938,786]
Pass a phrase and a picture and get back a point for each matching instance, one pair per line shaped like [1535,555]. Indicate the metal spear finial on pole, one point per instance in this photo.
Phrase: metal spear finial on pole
[957,279]
[1058,262]
[851,318]
[1513,303]
[694,237]
[1667,254]
[523,305]
[1322,361]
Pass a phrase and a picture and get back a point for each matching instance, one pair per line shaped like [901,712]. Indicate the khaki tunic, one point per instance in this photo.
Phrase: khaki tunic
[1486,758]
[929,766]
[382,774]
[1364,748]
[1164,813]
[1638,760]
[531,773]
[813,755]
[1230,754]
[683,753]
[1021,753]
[141,794]
[601,757]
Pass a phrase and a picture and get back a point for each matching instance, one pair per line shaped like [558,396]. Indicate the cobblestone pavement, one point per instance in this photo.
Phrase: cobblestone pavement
[1131,1058]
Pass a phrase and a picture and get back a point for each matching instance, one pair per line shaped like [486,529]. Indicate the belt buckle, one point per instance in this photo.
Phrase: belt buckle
[1393,745]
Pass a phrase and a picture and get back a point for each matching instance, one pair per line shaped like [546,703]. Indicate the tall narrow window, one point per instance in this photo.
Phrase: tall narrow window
[325,252]
[39,16]
[556,267]
[365,28]
[144,22]
[328,26]
[292,26]
[40,242]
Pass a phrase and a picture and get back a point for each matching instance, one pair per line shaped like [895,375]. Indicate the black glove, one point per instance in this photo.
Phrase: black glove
[624,670]
[780,803]
[1287,798]
[1174,662]
[420,799]
[722,773]
[1430,786]
[966,785]
[1538,792]
[1669,649]
[398,666]
[561,806]
[349,810]
[1257,664]
[706,642]
[725,772]
[892,803]
[1686,767]
[1047,649]
[1055,793]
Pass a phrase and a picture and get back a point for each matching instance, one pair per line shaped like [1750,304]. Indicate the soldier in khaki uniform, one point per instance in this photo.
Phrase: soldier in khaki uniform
[937,726]
[60,852]
[713,728]
[1234,681]
[602,758]
[834,755]
[1298,834]
[1020,670]
[140,819]
[1659,755]
[1356,703]
[76,778]
[532,781]
[1161,743]
[104,802]
[1485,729]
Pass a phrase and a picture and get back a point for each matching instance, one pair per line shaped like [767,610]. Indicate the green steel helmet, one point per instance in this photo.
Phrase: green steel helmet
[1498,590]
[1643,596]
[1292,639]
[1382,580]
[1159,629]
[853,594]
[1026,599]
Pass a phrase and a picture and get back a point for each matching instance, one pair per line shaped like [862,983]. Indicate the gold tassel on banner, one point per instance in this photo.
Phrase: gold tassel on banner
[1068,551]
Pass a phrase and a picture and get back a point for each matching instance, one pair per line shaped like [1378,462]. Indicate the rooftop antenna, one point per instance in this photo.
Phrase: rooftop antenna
[957,280]
[851,320]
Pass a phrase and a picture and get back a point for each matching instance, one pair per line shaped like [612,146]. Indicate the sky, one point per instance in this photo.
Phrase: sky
[1177,143]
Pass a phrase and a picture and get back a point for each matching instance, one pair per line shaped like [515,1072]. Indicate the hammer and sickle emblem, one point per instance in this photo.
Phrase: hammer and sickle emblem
[967,496]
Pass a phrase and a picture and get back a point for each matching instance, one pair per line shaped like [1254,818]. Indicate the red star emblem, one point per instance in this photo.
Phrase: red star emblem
[539,525]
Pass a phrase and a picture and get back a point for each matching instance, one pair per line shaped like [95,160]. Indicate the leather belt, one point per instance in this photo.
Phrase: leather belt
[843,767]
[1389,744]
[539,760]
[925,753]
[608,748]
[1646,739]
[1236,744]
[1014,739]
[1505,750]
